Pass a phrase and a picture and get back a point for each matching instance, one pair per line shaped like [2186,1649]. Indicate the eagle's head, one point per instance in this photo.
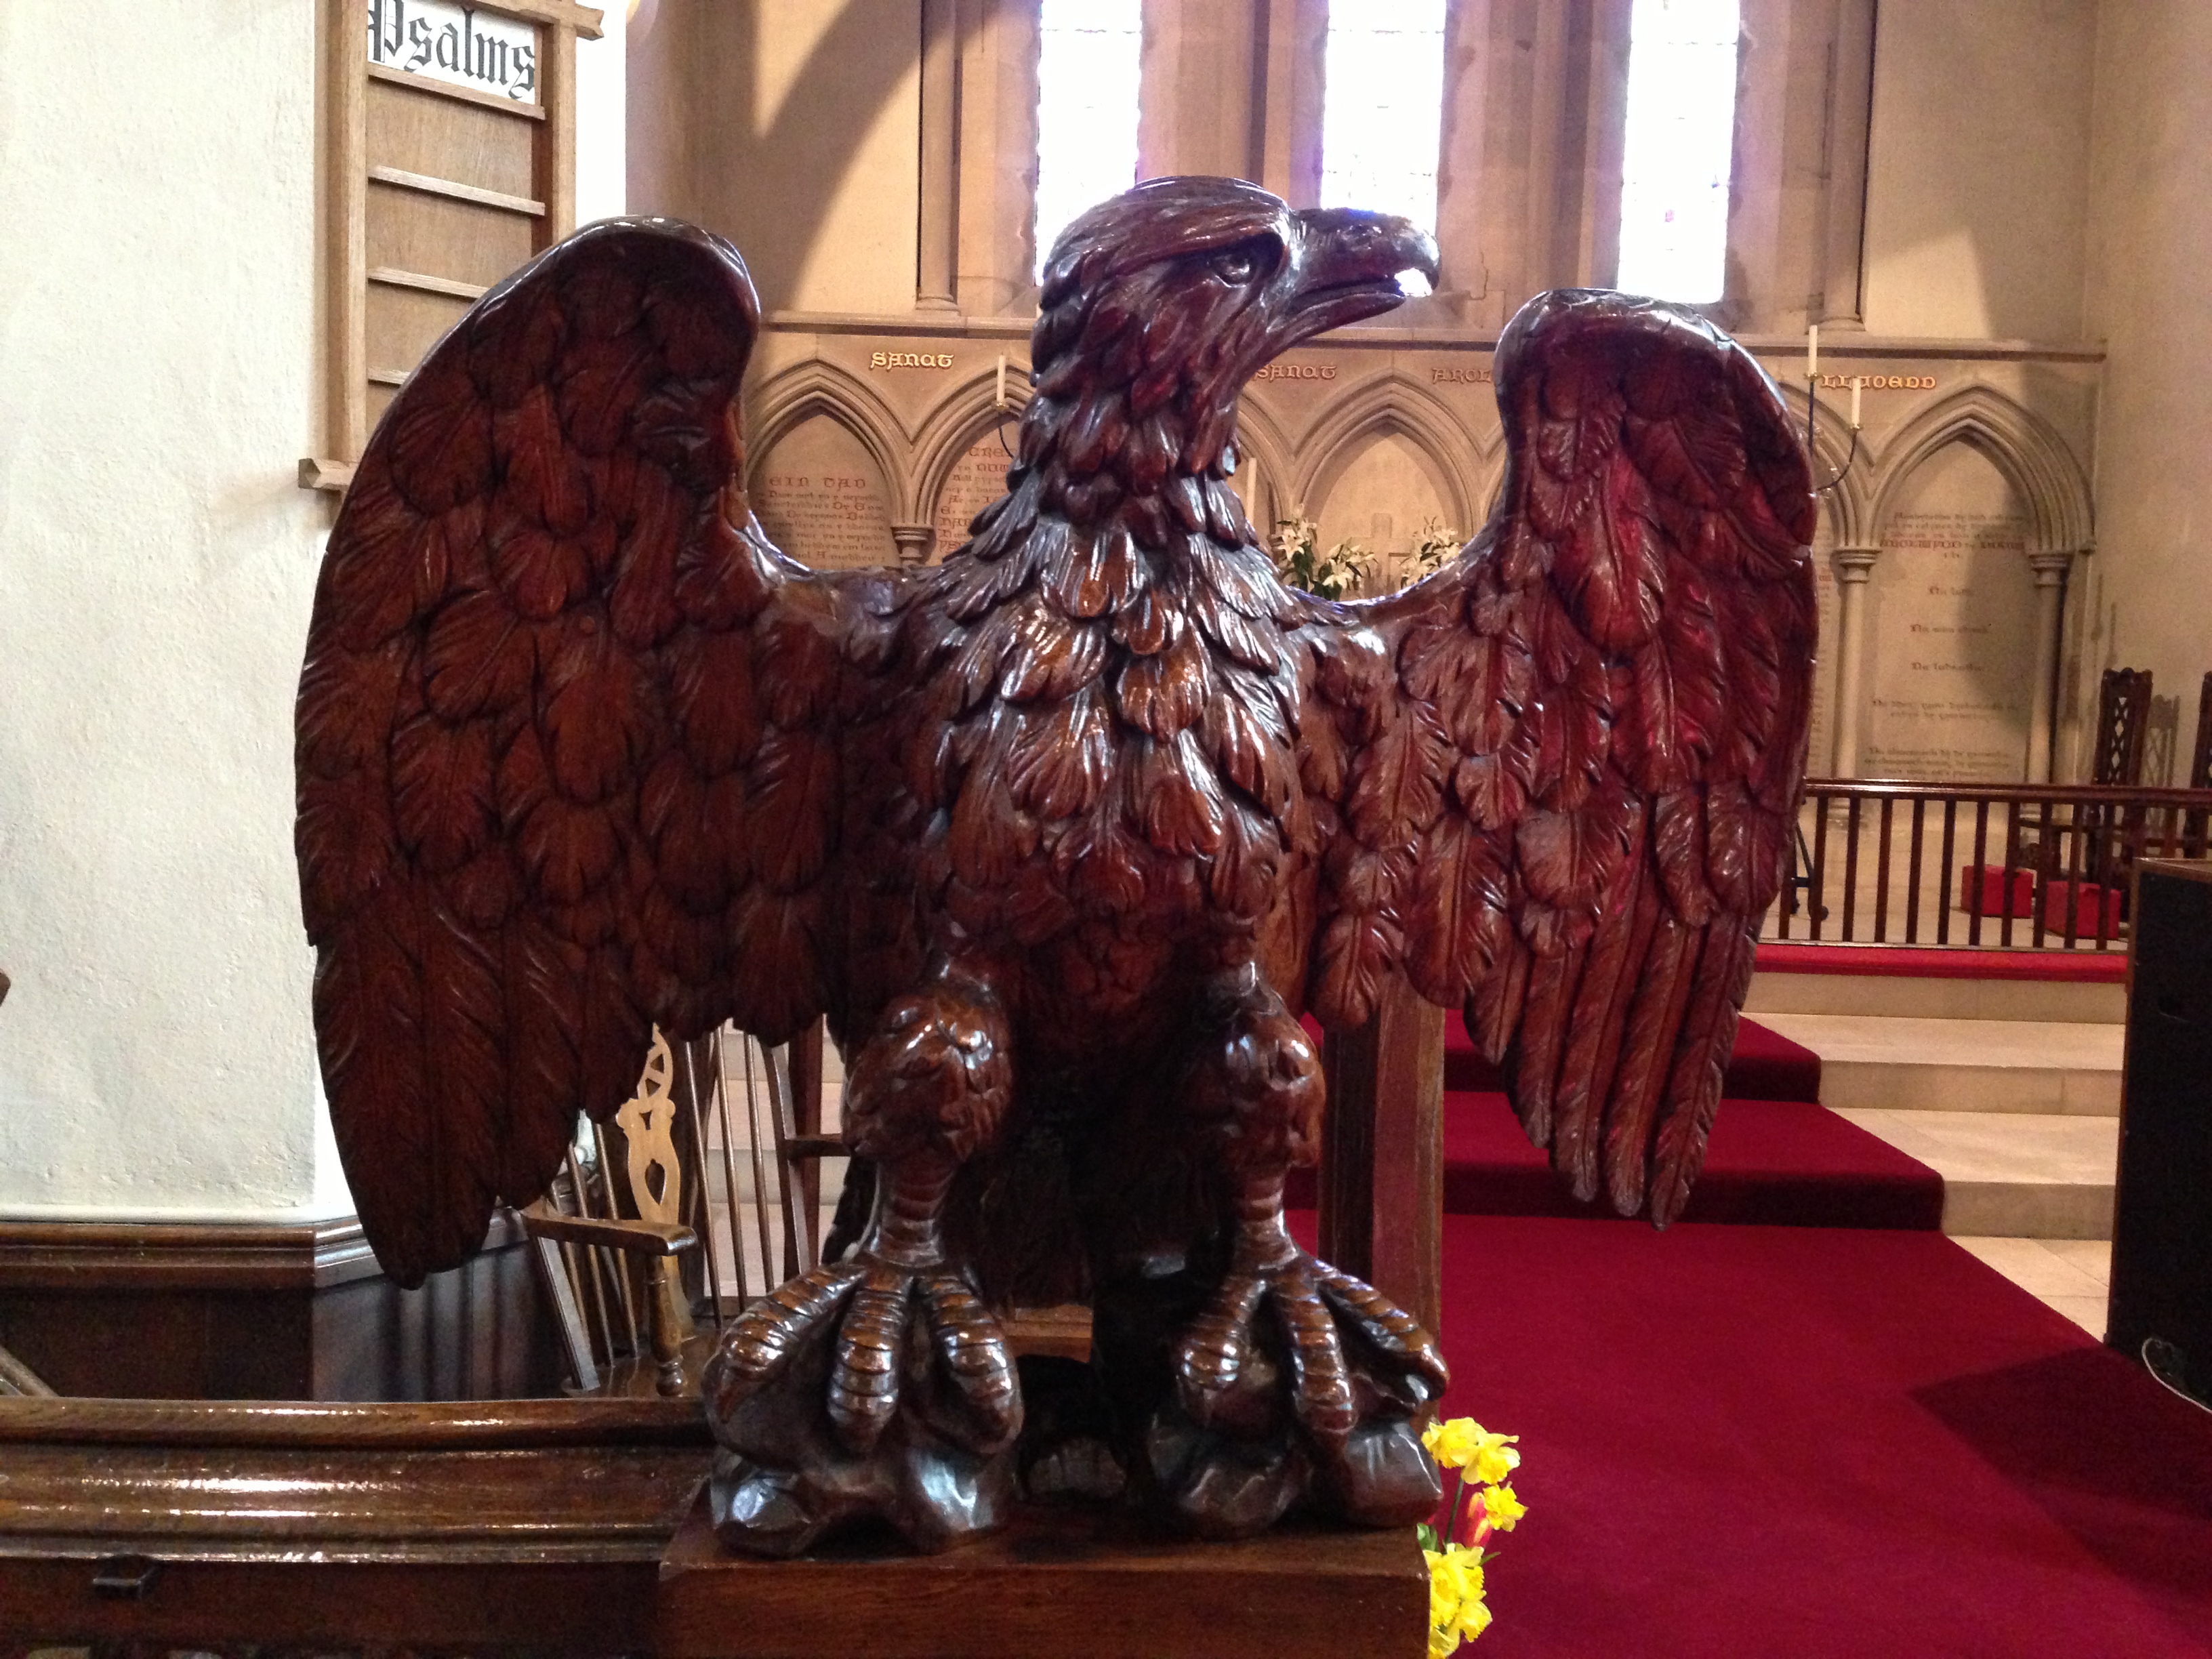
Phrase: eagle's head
[1160,303]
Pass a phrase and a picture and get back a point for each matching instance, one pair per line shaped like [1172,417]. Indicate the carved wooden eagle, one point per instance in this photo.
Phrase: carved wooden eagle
[1063,833]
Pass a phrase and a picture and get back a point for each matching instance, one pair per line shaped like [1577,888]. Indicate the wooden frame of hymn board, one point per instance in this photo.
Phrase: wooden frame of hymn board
[451,159]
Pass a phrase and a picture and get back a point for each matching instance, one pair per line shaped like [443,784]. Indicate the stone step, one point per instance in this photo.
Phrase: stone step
[2014,1175]
[2072,1275]
[1914,1065]
[1910,996]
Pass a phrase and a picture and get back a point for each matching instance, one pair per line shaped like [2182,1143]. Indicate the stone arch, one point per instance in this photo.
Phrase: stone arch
[964,415]
[833,521]
[1261,439]
[963,418]
[814,387]
[2023,446]
[1394,405]
[1846,505]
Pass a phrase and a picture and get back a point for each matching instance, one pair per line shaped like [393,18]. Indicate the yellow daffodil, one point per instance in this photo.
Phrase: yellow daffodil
[1464,1444]
[1456,1606]
[1454,1442]
[1446,1587]
[1473,1620]
[1501,1508]
[1457,1611]
[1494,1459]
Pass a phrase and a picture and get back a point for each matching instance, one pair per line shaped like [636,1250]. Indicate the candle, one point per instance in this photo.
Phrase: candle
[1002,380]
[1813,352]
[1858,383]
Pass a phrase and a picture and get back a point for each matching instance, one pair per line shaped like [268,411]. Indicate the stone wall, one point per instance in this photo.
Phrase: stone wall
[1946,161]
[2150,246]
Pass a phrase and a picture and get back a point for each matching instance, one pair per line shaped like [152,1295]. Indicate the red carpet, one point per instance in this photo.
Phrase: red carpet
[1946,961]
[1784,1163]
[1765,1064]
[1792,1442]
[1778,1162]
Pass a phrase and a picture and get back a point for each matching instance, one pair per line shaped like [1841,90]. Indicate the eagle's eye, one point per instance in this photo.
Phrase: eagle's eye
[1237,265]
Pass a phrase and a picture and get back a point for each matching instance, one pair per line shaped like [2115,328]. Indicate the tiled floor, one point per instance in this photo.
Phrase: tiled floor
[2068,1274]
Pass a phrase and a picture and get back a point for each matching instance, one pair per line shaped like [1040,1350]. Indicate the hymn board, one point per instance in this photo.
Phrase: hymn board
[452,160]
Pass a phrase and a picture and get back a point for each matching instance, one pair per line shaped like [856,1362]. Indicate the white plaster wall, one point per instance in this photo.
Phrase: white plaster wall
[1977,167]
[2150,247]
[157,345]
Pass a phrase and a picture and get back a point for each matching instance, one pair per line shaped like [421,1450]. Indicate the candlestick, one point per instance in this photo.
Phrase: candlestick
[1001,400]
[1813,352]
[1858,383]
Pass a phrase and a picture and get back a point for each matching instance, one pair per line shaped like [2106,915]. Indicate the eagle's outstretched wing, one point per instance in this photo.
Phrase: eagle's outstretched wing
[1566,767]
[567,735]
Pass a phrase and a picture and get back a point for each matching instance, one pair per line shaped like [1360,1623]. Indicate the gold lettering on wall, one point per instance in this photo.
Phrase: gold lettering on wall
[1461,377]
[889,360]
[1296,371]
[1879,382]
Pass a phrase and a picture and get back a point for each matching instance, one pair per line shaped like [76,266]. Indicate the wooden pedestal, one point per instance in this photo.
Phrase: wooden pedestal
[1057,1584]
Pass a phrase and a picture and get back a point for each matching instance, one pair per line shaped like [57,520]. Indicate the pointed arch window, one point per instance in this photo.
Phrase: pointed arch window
[1087,75]
[1382,107]
[1678,147]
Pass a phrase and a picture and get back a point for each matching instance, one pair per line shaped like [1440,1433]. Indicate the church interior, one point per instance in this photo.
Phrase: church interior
[1912,1374]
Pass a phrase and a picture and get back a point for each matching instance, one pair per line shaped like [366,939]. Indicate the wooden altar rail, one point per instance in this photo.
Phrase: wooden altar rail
[573,1526]
[2071,848]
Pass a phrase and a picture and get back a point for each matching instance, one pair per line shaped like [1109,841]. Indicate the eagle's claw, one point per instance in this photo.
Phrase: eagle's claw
[1353,1449]
[921,1335]
[1308,1300]
[899,1322]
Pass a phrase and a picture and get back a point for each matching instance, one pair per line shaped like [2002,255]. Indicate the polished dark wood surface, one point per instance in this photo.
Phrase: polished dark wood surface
[1062,835]
[1064,1582]
[532,1525]
[440,1425]
[1382,1157]
[573,1526]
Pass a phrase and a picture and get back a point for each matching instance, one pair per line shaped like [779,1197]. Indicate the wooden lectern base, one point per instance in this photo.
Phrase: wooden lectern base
[1057,1584]
[577,1527]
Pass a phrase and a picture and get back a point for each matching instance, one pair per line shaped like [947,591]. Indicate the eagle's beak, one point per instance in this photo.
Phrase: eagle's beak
[1346,266]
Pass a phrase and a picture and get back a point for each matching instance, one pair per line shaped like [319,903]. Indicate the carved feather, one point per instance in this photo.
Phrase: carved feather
[568,750]
[1593,741]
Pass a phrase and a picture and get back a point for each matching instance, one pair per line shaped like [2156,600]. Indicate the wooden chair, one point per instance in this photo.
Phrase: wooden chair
[629,1244]
[2123,724]
[2123,728]
[2196,825]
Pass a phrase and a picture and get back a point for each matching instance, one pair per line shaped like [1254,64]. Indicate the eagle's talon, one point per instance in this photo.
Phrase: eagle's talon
[1313,1304]
[761,1343]
[877,1361]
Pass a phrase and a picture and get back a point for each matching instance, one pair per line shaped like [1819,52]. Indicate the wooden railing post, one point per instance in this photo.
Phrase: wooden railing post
[1381,1172]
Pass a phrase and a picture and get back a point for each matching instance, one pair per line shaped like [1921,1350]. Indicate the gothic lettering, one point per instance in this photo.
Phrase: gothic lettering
[460,45]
